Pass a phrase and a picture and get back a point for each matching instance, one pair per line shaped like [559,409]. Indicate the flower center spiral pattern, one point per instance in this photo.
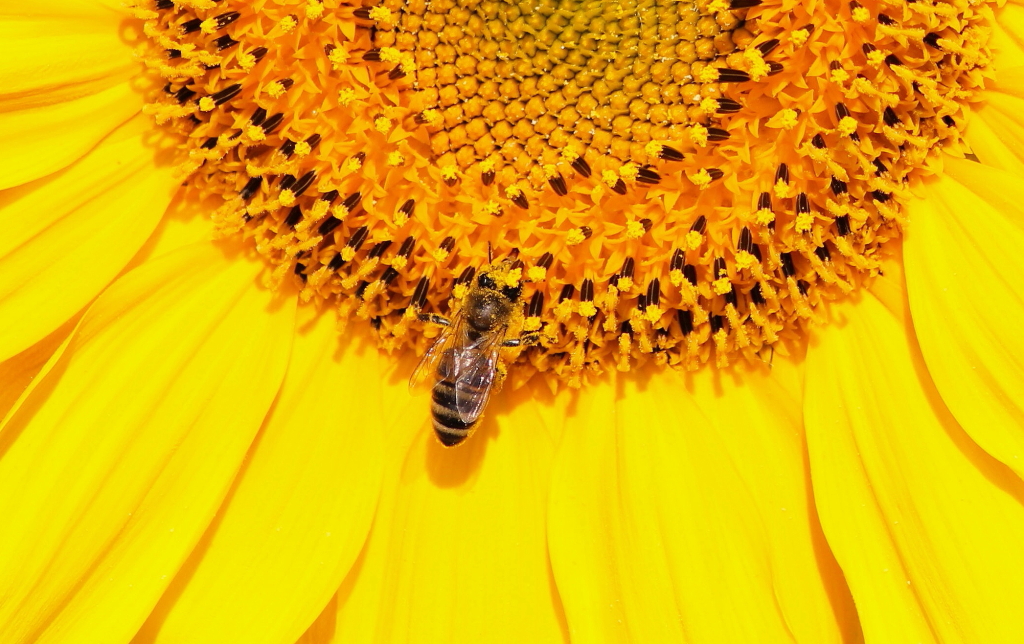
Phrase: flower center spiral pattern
[681,182]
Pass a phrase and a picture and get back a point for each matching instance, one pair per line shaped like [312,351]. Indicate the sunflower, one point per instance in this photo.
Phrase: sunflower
[766,252]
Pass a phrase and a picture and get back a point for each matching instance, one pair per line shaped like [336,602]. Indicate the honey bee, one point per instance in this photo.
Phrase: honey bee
[464,359]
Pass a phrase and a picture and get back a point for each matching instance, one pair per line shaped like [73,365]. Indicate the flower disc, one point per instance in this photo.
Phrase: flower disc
[679,181]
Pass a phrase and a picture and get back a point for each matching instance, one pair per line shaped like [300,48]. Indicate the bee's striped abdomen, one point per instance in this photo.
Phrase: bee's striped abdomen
[450,429]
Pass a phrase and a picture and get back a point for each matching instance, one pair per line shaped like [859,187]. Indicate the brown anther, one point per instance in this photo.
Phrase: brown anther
[272,123]
[536,305]
[788,269]
[557,184]
[250,188]
[685,318]
[726,106]
[304,182]
[487,177]
[715,173]
[654,292]
[358,237]
[224,42]
[803,206]
[726,75]
[405,250]
[672,154]
[690,273]
[628,266]
[419,296]
[191,26]
[782,174]
[294,217]
[717,134]
[579,164]
[885,20]
[743,4]
[719,268]
[259,53]
[677,261]
[258,117]
[764,201]
[619,187]
[372,55]
[586,231]
[379,249]
[466,276]
[388,275]
[407,208]
[226,94]
[520,201]
[768,46]
[546,260]
[756,296]
[838,187]
[225,19]
[587,290]
[843,225]
[700,225]
[818,141]
[746,240]
[647,224]
[568,290]
[352,201]
[823,254]
[648,176]
[184,94]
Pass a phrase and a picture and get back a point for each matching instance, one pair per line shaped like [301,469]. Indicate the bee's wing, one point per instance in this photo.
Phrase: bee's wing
[443,346]
[473,369]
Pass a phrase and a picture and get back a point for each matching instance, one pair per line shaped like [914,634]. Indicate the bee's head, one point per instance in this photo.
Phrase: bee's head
[501,278]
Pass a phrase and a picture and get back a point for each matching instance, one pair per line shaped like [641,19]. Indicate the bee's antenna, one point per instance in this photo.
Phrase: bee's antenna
[490,254]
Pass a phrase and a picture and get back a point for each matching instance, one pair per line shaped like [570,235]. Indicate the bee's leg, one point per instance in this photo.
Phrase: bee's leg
[435,319]
[523,340]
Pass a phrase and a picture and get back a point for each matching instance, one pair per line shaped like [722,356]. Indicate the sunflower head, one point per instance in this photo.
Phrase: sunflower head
[679,181]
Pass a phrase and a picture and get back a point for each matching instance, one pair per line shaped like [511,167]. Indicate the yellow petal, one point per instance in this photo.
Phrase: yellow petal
[68,235]
[926,526]
[963,262]
[993,143]
[996,129]
[299,512]
[116,461]
[17,372]
[42,140]
[679,513]
[54,52]
[1007,41]
[458,549]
